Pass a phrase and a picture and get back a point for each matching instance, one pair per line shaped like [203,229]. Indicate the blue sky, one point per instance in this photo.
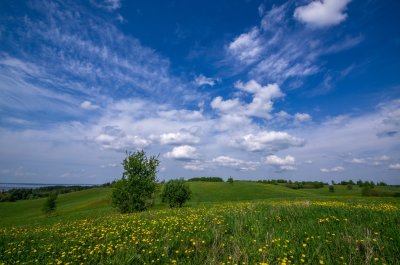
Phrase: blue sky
[301,90]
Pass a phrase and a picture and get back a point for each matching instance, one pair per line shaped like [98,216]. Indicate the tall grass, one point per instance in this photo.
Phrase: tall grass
[274,232]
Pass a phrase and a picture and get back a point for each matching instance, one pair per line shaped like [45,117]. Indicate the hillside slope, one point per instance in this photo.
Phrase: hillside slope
[97,201]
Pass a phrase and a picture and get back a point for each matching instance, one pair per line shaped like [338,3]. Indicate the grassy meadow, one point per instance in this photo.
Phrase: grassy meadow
[240,223]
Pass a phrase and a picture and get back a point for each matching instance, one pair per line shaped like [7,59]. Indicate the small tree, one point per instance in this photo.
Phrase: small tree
[50,204]
[135,190]
[331,188]
[349,186]
[230,180]
[176,192]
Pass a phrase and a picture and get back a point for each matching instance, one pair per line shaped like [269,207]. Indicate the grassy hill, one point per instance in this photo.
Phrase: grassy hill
[239,223]
[97,201]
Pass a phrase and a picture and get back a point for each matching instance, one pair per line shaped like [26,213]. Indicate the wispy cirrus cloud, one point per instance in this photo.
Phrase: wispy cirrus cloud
[275,51]
[75,64]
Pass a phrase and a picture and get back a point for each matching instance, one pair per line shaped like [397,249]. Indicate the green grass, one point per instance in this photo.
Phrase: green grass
[70,206]
[96,202]
[240,223]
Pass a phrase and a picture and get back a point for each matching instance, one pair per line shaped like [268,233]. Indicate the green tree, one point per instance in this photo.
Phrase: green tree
[176,192]
[135,190]
[331,188]
[50,204]
[230,180]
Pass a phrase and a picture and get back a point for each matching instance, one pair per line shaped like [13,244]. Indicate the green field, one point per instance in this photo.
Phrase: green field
[240,223]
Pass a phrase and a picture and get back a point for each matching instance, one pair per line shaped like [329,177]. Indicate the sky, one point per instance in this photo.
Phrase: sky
[252,89]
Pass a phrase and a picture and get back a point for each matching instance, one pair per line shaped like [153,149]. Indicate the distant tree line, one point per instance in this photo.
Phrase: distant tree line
[13,195]
[207,179]
[295,184]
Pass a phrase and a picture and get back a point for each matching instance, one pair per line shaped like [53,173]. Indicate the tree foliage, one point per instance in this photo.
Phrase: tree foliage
[207,179]
[176,192]
[135,190]
[50,204]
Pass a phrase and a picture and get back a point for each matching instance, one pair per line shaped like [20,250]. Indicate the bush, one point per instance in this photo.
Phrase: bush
[176,192]
[331,188]
[369,191]
[230,180]
[50,204]
[135,190]
[349,186]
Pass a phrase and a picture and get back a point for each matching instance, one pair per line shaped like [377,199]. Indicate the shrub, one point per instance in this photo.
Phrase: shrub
[176,192]
[331,188]
[369,191]
[349,186]
[135,190]
[230,180]
[50,204]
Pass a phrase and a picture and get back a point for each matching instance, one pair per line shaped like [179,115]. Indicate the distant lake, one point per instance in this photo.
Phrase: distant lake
[8,186]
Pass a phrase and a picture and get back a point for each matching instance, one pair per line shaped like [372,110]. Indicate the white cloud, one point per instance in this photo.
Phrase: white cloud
[286,163]
[276,51]
[109,5]
[195,165]
[226,106]
[260,106]
[227,161]
[322,13]
[333,169]
[181,137]
[358,161]
[302,118]
[246,47]
[87,105]
[121,142]
[183,152]
[394,166]
[383,158]
[201,80]
[267,141]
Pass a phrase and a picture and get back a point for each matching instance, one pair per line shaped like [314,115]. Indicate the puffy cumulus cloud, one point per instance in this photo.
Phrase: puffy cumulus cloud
[395,166]
[230,122]
[201,80]
[247,46]
[183,152]
[121,142]
[227,161]
[226,106]
[333,169]
[301,118]
[178,138]
[322,13]
[260,106]
[87,105]
[267,141]
[285,163]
